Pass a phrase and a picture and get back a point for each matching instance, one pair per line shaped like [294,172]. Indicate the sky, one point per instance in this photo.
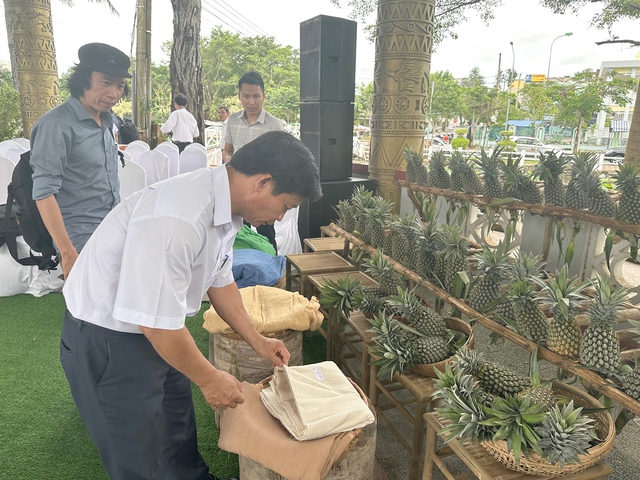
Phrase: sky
[529,26]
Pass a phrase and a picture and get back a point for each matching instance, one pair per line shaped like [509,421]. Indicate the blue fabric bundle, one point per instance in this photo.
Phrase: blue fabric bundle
[255,267]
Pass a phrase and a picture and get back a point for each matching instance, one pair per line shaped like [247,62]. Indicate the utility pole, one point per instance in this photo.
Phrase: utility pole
[143,67]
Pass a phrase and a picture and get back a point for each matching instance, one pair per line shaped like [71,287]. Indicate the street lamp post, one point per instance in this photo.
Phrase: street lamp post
[568,34]
[513,63]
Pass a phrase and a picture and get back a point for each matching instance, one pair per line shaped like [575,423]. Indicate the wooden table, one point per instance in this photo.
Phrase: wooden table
[314,263]
[313,284]
[402,391]
[480,463]
[327,244]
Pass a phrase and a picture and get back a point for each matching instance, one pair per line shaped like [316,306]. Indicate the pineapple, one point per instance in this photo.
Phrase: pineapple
[412,307]
[454,253]
[526,265]
[598,201]
[493,263]
[403,239]
[438,175]
[549,169]
[457,165]
[412,172]
[471,183]
[563,294]
[338,296]
[539,392]
[346,217]
[362,200]
[600,349]
[377,218]
[492,377]
[427,247]
[630,383]
[628,182]
[564,434]
[575,196]
[518,184]
[379,268]
[490,167]
[530,321]
[386,329]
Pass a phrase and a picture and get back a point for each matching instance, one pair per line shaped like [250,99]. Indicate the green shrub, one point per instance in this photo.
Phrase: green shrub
[459,142]
[507,145]
[461,132]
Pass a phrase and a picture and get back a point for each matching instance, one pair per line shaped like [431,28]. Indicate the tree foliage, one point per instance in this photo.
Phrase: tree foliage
[10,116]
[363,103]
[612,10]
[446,101]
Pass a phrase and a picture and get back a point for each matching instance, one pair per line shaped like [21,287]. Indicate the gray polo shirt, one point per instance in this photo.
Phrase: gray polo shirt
[239,132]
[76,160]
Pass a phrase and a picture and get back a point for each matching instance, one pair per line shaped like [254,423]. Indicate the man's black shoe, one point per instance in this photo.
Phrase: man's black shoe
[213,477]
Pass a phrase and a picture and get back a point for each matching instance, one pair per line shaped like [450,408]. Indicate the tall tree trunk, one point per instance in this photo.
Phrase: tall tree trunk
[33,57]
[576,143]
[185,68]
[632,154]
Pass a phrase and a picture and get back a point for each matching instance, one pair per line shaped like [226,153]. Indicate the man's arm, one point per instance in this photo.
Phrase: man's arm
[178,349]
[167,126]
[228,304]
[227,153]
[52,218]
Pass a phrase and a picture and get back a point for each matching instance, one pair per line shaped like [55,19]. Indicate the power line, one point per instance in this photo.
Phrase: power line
[226,22]
[245,30]
[247,21]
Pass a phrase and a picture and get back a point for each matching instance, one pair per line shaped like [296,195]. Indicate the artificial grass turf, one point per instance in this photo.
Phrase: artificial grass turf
[42,435]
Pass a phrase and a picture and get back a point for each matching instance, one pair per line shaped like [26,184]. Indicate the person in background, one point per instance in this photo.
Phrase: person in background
[181,123]
[74,155]
[124,347]
[248,124]
[223,115]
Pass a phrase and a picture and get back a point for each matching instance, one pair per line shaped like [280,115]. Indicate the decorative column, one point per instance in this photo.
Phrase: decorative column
[33,58]
[401,85]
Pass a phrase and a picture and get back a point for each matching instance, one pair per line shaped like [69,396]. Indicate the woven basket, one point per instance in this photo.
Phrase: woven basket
[536,465]
[429,370]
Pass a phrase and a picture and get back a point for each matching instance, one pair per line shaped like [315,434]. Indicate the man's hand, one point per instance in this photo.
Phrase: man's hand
[67,261]
[223,392]
[273,350]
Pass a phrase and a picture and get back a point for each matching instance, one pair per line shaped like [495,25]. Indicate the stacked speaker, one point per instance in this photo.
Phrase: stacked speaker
[327,93]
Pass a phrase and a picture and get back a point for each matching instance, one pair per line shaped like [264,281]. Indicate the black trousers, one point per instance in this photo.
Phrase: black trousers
[137,408]
[181,145]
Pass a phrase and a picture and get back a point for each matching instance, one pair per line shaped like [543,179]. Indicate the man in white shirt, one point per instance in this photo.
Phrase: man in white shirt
[248,124]
[181,123]
[223,116]
[125,350]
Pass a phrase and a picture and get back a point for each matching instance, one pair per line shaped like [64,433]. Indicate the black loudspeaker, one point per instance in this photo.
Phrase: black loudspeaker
[312,216]
[326,128]
[327,59]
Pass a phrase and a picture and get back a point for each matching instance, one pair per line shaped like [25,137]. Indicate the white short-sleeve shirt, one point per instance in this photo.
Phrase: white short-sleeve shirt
[155,255]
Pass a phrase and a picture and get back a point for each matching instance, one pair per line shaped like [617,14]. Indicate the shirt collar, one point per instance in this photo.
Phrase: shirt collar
[82,113]
[260,119]
[222,198]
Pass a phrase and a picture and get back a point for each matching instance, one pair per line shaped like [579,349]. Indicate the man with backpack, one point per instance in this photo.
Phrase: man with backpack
[74,156]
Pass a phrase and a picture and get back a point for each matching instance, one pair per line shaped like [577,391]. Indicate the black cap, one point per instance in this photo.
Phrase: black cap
[104,58]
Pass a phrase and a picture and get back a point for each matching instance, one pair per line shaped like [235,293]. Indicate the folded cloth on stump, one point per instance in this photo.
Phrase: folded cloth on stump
[250,430]
[271,310]
[255,267]
[313,401]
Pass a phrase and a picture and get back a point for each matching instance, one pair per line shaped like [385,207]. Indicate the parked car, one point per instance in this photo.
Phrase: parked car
[615,152]
[533,146]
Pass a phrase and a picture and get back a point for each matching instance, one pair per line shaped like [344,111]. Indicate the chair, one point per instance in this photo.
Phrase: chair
[135,149]
[199,146]
[287,236]
[11,150]
[6,170]
[142,143]
[128,158]
[170,150]
[25,142]
[156,164]
[192,159]
[132,177]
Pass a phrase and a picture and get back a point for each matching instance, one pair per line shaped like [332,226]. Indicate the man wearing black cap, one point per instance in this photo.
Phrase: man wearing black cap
[73,153]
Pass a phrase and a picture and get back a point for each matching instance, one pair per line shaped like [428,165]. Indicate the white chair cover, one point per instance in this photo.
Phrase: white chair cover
[132,178]
[12,150]
[6,169]
[192,159]
[135,149]
[156,164]
[172,151]
[197,145]
[16,279]
[127,157]
[24,142]
[287,236]
[142,143]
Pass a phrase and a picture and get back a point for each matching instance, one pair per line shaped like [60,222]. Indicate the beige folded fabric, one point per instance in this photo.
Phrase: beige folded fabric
[250,430]
[271,310]
[313,401]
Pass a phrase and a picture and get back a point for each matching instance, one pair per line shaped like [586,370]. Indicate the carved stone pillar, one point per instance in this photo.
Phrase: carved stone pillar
[401,85]
[33,57]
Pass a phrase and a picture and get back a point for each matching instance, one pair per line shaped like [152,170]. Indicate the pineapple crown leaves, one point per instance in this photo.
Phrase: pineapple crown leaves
[339,295]
[361,199]
[550,166]
[490,165]
[454,242]
[564,434]
[457,163]
[380,210]
[492,260]
[515,418]
[526,265]
[411,155]
[391,359]
[607,301]
[406,303]
[562,293]
[534,371]
[385,327]
[627,178]
[437,160]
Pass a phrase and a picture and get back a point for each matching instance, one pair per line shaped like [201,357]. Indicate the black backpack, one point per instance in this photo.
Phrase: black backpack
[127,132]
[22,217]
